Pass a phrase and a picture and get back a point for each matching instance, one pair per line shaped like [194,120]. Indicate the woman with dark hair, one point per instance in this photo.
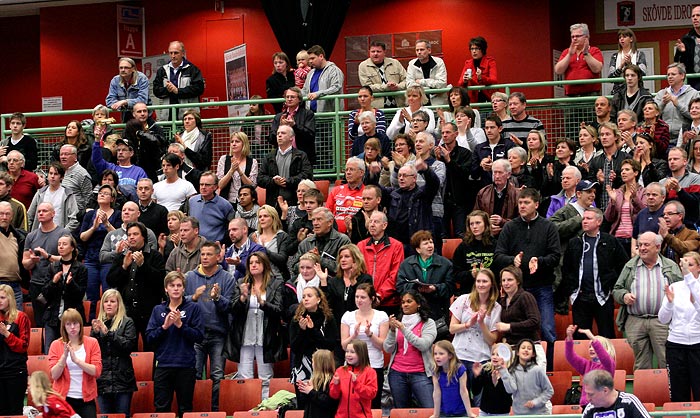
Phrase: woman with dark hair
[634,95]
[564,152]
[364,99]
[96,224]
[475,252]
[627,53]
[537,158]
[694,157]
[66,289]
[74,134]
[197,142]
[410,341]
[652,168]
[76,363]
[430,274]
[625,203]
[312,328]
[479,70]
[370,326]
[110,178]
[520,316]
[247,206]
[655,127]
[256,334]
[458,97]
[281,79]
[469,133]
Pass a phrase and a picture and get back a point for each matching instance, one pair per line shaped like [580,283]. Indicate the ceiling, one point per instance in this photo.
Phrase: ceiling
[29,7]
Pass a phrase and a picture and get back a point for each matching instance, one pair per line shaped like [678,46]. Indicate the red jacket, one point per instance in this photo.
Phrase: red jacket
[383,262]
[57,407]
[355,397]
[93,355]
[489,76]
[344,201]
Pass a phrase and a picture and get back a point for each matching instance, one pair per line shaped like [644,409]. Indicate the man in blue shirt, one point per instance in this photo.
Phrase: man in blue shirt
[213,211]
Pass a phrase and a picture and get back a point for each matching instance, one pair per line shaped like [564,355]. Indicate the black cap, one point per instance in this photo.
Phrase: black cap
[124,141]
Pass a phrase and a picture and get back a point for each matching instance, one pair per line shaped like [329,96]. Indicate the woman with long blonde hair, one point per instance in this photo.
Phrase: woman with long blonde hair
[14,328]
[320,404]
[52,404]
[275,240]
[236,168]
[117,336]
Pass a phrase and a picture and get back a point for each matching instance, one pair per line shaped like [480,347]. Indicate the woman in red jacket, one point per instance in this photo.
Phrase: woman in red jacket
[14,329]
[354,384]
[479,70]
[76,363]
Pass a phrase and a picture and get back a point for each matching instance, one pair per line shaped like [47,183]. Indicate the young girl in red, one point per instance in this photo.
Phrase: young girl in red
[354,384]
[49,402]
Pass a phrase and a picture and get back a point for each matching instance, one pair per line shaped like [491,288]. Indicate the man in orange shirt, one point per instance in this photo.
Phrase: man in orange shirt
[346,200]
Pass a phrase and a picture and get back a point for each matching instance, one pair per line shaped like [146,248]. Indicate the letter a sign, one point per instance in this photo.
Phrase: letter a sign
[131,36]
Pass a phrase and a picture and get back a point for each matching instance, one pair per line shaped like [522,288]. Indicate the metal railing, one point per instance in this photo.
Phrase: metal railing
[560,116]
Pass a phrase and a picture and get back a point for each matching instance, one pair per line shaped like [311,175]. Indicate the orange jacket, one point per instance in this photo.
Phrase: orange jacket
[93,355]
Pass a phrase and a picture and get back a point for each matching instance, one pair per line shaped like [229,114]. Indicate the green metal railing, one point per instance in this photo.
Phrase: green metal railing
[561,117]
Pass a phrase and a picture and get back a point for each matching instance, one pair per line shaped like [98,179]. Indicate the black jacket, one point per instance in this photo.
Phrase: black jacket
[274,349]
[299,169]
[141,287]
[611,258]
[419,207]
[457,187]
[117,367]
[687,57]
[536,238]
[71,294]
[304,131]
[276,84]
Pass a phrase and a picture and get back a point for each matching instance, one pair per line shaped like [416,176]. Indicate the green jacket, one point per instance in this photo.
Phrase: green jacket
[669,269]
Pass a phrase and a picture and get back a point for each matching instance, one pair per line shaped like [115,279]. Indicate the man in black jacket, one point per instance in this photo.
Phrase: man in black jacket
[592,264]
[300,119]
[459,191]
[686,48]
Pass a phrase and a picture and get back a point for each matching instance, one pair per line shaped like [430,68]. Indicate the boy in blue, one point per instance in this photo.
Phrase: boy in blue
[174,328]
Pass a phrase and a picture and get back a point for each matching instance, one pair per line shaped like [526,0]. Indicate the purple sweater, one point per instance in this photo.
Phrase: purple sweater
[583,366]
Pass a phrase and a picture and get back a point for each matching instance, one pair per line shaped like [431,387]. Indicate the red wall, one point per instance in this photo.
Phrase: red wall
[70,51]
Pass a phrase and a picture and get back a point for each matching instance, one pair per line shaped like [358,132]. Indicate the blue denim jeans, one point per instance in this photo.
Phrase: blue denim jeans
[115,403]
[212,346]
[544,295]
[97,278]
[405,386]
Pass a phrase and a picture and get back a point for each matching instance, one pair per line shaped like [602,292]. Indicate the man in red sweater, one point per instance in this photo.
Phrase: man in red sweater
[346,200]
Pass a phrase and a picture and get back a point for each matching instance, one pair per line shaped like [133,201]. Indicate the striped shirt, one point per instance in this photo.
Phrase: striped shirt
[648,287]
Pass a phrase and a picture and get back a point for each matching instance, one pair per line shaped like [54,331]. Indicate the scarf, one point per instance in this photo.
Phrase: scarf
[303,284]
[410,322]
[190,139]
[621,57]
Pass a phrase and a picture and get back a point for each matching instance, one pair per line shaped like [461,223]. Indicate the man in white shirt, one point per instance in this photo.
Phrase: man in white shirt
[172,191]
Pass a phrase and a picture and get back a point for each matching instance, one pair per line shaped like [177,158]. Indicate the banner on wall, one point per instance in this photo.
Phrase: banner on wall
[647,13]
[236,70]
[131,33]
[150,66]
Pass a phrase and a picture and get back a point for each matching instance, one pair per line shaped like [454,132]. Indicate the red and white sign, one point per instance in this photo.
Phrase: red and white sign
[131,35]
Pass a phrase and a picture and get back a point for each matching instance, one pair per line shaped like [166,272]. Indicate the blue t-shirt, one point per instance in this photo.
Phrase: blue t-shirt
[451,403]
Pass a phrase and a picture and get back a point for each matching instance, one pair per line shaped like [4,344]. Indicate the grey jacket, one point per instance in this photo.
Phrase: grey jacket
[108,253]
[676,117]
[531,385]
[424,344]
[330,82]
[335,241]
[180,259]
[69,218]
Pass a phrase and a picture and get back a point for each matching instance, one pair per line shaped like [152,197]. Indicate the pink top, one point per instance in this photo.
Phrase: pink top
[583,366]
[624,230]
[412,361]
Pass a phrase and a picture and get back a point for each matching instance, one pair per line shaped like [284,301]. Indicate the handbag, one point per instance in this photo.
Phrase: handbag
[573,395]
[441,325]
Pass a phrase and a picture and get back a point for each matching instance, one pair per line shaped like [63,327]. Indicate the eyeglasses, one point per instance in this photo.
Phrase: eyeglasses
[402,175]
[418,120]
[207,184]
[671,213]
[125,68]
[13,160]
[475,48]
[577,36]
[498,100]
[108,194]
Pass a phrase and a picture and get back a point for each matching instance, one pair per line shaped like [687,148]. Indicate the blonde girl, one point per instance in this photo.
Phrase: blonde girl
[52,404]
[495,400]
[320,404]
[450,393]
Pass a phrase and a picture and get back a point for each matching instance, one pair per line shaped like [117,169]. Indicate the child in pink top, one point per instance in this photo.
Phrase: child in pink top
[302,69]
[601,352]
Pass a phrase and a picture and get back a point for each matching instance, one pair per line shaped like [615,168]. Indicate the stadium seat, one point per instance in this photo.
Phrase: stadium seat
[261,196]
[282,368]
[561,322]
[620,380]
[201,399]
[143,365]
[624,356]
[682,406]
[566,409]
[280,383]
[294,414]
[239,395]
[255,414]
[36,341]
[323,186]
[647,386]
[29,311]
[560,363]
[35,363]
[561,382]
[111,415]
[219,414]
[650,407]
[142,401]
[411,413]
[154,415]
[448,249]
